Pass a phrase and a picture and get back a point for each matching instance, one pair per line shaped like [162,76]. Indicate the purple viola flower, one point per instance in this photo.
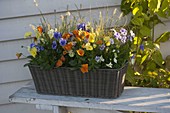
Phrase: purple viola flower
[38,48]
[142,47]
[54,45]
[32,45]
[88,30]
[41,48]
[130,38]
[123,39]
[117,35]
[81,26]
[86,40]
[62,42]
[97,58]
[102,47]
[57,35]
[111,41]
[123,31]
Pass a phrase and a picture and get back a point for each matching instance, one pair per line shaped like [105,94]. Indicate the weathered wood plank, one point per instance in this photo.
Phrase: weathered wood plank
[133,99]
[18,8]
[21,108]
[7,89]
[11,71]
[12,29]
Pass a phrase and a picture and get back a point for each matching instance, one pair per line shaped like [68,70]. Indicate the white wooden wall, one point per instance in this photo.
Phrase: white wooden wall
[15,17]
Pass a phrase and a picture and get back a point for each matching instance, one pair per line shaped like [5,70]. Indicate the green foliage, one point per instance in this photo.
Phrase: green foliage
[147,67]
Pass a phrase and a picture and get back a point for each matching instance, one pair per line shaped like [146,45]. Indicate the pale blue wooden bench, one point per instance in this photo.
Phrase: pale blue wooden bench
[132,99]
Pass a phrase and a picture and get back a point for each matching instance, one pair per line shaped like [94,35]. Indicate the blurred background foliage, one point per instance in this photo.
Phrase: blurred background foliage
[147,67]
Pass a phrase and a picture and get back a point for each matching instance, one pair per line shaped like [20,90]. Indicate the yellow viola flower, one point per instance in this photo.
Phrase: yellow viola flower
[92,37]
[94,45]
[88,46]
[106,38]
[108,43]
[33,51]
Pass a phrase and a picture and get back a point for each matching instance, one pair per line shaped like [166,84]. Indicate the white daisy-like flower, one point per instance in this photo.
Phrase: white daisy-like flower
[109,65]
[51,33]
[115,60]
[101,58]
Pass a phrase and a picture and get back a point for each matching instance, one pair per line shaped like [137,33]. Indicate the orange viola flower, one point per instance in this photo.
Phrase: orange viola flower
[40,29]
[68,47]
[66,36]
[80,52]
[76,34]
[64,52]
[59,63]
[62,58]
[84,68]
[87,35]
[99,42]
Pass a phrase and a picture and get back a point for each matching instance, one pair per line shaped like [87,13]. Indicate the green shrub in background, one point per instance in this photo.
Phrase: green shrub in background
[147,66]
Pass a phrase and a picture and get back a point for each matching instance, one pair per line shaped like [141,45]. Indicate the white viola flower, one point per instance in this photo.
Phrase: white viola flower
[71,53]
[113,50]
[101,58]
[33,27]
[115,60]
[132,33]
[113,30]
[109,65]
[115,54]
[55,29]
[68,13]
[51,33]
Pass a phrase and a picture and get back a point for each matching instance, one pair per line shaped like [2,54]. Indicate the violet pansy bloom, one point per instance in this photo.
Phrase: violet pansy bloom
[62,42]
[54,45]
[81,26]
[57,35]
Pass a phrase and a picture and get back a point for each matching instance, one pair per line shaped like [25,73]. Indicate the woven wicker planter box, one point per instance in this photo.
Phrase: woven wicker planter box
[100,83]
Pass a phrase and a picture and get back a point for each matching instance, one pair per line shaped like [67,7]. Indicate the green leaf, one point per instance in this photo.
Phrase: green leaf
[151,65]
[144,58]
[137,21]
[163,38]
[161,14]
[27,34]
[130,75]
[145,31]
[73,63]
[157,57]
[165,5]
[146,17]
[154,5]
[125,7]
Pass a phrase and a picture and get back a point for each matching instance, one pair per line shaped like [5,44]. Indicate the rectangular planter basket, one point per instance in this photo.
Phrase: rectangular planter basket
[100,83]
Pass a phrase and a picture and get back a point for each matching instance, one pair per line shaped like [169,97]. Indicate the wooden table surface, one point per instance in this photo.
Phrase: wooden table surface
[132,99]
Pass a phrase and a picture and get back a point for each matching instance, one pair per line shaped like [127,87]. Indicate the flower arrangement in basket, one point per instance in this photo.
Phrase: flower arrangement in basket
[79,45]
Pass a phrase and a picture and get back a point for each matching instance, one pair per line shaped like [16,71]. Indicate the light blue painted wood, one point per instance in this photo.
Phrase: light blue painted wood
[132,99]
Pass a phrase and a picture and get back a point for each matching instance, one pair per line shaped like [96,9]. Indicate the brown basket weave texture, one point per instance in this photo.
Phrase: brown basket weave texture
[100,83]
